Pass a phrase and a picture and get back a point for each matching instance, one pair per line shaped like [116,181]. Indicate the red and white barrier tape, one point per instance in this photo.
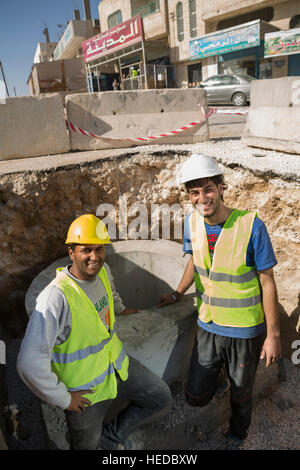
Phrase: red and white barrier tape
[77,129]
[230,111]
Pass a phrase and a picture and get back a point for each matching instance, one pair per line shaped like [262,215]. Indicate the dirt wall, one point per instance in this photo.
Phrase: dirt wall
[37,207]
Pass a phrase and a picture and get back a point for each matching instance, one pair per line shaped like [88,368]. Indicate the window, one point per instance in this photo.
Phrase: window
[193,18]
[212,81]
[179,19]
[228,80]
[114,19]
[294,22]
[195,74]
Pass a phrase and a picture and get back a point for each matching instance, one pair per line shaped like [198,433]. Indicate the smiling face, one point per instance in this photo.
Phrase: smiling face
[87,261]
[206,197]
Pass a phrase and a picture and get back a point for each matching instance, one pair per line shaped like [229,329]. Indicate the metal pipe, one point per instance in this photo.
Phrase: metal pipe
[7,92]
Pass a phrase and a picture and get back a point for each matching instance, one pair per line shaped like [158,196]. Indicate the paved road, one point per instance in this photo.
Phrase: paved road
[227,125]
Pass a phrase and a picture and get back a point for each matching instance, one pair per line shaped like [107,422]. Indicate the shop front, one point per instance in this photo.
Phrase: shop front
[239,50]
[116,60]
[282,48]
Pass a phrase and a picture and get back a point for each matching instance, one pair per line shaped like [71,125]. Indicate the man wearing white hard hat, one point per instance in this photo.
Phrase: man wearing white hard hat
[231,261]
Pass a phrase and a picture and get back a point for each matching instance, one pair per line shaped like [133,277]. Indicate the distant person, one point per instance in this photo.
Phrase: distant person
[115,84]
[71,356]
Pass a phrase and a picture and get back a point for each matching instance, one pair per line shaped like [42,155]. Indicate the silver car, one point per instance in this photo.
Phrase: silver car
[228,88]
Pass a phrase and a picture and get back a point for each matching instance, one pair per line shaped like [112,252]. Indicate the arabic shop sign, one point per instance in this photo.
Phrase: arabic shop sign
[227,40]
[282,43]
[123,35]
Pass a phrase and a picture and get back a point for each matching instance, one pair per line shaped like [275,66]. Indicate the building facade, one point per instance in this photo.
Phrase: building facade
[59,67]
[141,44]
[177,31]
[216,22]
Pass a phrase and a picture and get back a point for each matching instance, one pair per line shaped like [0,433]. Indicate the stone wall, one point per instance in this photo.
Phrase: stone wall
[37,207]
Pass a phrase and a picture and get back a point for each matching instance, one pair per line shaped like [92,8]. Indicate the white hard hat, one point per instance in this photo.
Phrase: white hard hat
[199,166]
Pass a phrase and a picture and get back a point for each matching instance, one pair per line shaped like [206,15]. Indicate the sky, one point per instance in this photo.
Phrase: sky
[22,23]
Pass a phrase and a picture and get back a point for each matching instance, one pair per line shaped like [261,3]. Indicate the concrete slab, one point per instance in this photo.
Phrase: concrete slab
[273,119]
[135,114]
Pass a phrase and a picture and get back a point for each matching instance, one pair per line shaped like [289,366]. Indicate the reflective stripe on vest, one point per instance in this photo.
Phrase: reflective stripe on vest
[91,354]
[65,358]
[100,379]
[228,291]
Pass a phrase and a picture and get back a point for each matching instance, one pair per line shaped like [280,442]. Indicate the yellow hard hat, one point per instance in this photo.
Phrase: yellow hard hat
[87,229]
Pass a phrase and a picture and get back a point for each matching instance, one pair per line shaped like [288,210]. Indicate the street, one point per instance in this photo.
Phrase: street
[227,125]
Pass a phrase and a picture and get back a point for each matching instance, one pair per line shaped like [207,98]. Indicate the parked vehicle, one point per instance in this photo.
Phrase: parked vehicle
[228,88]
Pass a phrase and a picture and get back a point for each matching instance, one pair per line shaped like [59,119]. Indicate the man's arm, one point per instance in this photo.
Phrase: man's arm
[34,359]
[185,283]
[272,347]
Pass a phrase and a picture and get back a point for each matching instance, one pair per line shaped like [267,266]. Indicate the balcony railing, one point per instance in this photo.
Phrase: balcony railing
[148,9]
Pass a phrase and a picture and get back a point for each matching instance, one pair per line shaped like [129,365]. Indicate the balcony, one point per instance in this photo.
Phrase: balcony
[145,10]
[153,15]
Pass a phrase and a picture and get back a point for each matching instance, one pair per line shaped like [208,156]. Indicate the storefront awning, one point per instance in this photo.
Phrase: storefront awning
[228,40]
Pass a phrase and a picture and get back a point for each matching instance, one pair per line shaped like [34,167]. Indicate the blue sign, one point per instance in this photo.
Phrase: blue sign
[227,40]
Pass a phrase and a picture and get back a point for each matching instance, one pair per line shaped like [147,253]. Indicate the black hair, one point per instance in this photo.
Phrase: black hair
[72,246]
[217,179]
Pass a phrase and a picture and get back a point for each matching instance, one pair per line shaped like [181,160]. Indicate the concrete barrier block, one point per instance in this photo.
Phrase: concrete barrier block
[273,119]
[134,114]
[275,128]
[276,92]
[32,127]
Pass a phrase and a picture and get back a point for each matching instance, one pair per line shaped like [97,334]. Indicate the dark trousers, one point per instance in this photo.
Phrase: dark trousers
[240,358]
[150,399]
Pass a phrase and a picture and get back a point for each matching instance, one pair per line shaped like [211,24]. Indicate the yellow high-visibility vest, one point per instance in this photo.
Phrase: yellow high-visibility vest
[228,292]
[91,354]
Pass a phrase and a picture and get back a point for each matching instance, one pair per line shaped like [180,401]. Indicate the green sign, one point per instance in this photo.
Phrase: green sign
[282,43]
[227,40]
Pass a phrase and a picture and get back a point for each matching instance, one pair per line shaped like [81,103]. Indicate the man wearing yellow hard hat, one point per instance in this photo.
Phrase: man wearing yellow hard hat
[71,355]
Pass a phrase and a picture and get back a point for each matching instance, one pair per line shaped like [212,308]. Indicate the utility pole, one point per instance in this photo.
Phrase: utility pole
[4,78]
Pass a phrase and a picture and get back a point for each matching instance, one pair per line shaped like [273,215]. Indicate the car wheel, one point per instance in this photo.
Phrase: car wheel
[239,99]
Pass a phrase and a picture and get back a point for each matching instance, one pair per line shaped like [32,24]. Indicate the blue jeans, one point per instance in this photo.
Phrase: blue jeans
[150,399]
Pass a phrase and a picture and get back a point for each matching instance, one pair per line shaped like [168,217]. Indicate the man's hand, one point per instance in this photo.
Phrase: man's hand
[186,282]
[78,402]
[271,350]
[166,299]
[129,311]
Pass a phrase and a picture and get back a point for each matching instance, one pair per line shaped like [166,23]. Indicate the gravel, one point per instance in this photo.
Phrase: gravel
[275,420]
[230,152]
